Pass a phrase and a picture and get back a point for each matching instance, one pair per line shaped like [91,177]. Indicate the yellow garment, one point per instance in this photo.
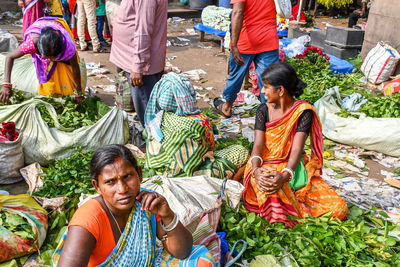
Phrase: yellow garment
[55,6]
[62,81]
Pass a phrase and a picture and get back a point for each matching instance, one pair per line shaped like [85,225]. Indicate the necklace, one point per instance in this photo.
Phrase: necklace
[115,220]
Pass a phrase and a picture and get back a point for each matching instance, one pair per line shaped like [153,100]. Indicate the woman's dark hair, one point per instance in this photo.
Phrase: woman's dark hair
[284,74]
[107,155]
[50,43]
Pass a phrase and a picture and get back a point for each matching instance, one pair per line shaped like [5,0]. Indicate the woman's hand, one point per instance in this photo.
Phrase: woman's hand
[261,176]
[5,94]
[156,204]
[275,182]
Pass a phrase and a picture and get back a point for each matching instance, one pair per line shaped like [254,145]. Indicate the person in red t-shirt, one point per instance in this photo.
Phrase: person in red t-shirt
[253,38]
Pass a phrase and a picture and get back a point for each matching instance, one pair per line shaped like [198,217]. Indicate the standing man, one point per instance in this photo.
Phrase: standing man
[140,45]
[87,11]
[111,9]
[254,38]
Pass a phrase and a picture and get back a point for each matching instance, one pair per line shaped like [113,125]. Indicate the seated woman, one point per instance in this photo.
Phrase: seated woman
[119,227]
[50,43]
[180,140]
[280,179]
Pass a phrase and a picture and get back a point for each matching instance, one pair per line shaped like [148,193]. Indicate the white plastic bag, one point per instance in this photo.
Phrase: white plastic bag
[283,8]
[380,63]
[297,46]
[11,160]
[42,144]
[378,134]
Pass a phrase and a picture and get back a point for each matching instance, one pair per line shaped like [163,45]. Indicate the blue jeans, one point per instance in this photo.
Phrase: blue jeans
[141,94]
[100,27]
[237,73]
[67,15]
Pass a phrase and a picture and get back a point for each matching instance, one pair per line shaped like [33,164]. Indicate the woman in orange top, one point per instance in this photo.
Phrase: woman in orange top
[280,179]
[119,227]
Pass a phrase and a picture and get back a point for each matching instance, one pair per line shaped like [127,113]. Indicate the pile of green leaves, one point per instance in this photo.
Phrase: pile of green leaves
[74,115]
[16,224]
[65,177]
[377,107]
[360,240]
[237,140]
[315,71]
[16,98]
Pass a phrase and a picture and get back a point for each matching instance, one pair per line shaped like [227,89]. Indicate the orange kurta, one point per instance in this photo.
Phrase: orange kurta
[316,198]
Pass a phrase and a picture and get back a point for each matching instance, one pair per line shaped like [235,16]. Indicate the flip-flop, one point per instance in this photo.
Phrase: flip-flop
[218,102]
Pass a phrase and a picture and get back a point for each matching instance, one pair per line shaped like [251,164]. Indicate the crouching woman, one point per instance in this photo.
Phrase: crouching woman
[120,226]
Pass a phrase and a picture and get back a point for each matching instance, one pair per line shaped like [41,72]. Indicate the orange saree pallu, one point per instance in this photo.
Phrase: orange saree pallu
[315,197]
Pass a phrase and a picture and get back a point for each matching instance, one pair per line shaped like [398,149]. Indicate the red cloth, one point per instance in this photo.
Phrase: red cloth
[259,27]
[8,132]
[295,11]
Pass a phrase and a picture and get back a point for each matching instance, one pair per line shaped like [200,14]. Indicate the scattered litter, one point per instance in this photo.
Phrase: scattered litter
[92,66]
[111,88]
[183,39]
[177,19]
[247,121]
[169,67]
[209,88]
[191,31]
[90,91]
[194,74]
[233,129]
[248,133]
[205,47]
[171,58]
[171,42]
[96,72]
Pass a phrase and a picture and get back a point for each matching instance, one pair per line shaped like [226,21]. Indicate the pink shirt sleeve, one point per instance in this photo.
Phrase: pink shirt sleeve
[144,26]
[27,47]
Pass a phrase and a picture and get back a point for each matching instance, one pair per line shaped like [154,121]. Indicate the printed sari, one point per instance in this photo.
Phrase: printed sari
[310,194]
[55,76]
[32,11]
[187,149]
[137,246]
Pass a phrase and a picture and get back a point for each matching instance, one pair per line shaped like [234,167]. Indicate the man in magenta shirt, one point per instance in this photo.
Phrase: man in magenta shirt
[139,46]
[253,38]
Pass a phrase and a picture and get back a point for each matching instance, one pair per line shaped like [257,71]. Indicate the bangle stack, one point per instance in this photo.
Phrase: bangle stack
[172,225]
[256,157]
[290,171]
[7,85]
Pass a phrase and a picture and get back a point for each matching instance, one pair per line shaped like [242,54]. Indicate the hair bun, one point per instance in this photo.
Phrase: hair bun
[299,88]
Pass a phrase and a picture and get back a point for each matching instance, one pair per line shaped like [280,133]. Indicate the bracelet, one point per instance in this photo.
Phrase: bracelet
[7,85]
[290,171]
[172,225]
[256,157]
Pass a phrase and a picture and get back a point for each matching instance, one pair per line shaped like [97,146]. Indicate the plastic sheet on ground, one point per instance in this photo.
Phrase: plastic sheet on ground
[190,197]
[43,144]
[208,29]
[377,134]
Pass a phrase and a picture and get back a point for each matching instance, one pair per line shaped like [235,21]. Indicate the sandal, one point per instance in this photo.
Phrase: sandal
[100,50]
[218,102]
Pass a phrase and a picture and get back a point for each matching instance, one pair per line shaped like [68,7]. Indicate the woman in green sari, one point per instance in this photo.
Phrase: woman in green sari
[180,139]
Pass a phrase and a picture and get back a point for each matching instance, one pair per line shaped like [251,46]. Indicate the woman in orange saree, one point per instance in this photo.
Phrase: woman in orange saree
[280,179]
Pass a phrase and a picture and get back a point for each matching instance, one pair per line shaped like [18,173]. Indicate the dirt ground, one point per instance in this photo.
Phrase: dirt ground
[208,57]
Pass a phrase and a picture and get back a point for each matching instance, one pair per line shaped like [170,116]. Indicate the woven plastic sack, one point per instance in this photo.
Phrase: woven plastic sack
[380,63]
[21,210]
[123,94]
[42,144]
[283,8]
[23,75]
[378,134]
[11,160]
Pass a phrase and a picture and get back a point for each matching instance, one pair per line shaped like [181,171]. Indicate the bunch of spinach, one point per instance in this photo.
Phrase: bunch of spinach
[16,224]
[316,72]
[324,241]
[72,114]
